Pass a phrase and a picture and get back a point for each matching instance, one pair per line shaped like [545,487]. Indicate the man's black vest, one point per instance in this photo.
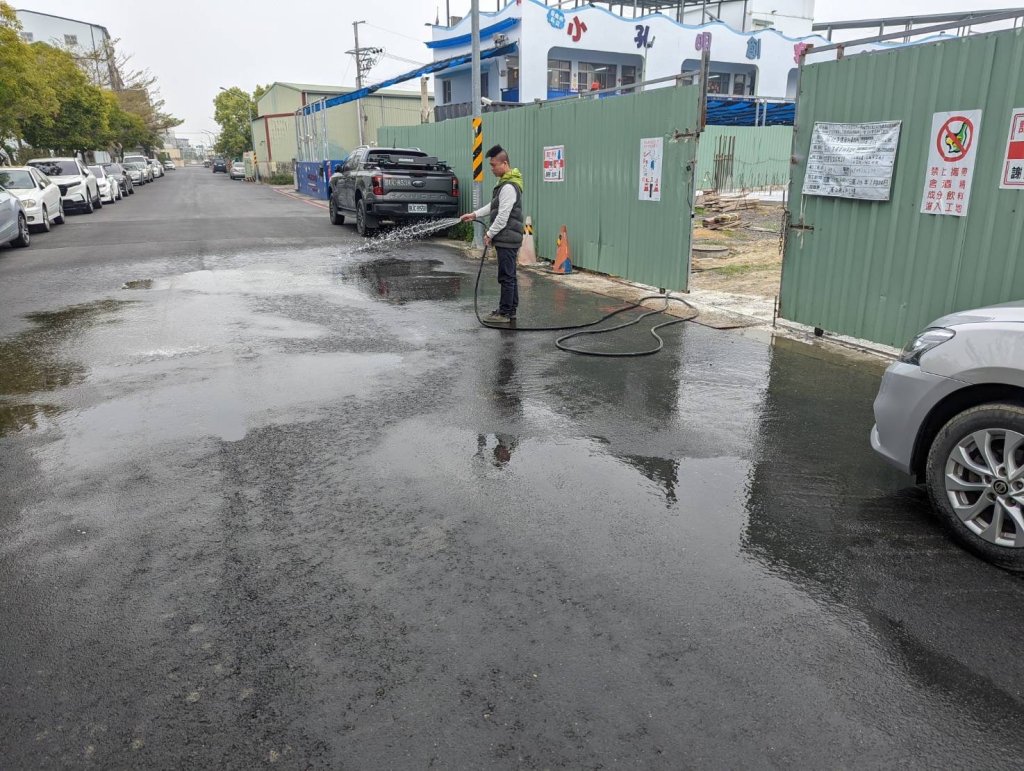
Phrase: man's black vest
[511,236]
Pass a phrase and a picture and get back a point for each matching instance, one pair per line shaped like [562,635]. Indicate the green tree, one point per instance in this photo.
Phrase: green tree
[25,93]
[81,120]
[232,109]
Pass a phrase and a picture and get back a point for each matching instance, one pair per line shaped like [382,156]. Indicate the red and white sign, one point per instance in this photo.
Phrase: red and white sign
[1013,168]
[952,148]
[554,163]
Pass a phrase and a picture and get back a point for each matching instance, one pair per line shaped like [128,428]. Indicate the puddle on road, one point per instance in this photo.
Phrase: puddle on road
[141,283]
[30,362]
[403,281]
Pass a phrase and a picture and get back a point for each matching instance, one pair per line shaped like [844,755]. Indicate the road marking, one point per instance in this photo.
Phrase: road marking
[294,197]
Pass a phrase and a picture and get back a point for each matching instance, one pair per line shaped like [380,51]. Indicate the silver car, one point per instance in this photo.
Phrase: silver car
[13,223]
[950,411]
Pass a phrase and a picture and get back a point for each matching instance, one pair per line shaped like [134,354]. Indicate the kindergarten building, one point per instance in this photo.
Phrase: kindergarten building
[562,49]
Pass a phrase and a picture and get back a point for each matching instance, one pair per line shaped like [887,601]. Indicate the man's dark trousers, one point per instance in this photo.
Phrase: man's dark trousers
[507,279]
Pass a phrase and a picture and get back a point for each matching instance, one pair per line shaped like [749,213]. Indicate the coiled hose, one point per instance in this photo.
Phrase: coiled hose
[583,329]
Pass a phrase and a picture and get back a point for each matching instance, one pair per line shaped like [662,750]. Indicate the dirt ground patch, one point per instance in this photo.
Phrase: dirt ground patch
[752,265]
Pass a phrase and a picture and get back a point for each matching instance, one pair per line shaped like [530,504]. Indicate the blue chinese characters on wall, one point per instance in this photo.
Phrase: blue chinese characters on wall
[754,48]
[643,37]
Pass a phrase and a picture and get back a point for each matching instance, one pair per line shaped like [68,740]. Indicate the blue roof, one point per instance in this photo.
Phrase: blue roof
[428,69]
[743,112]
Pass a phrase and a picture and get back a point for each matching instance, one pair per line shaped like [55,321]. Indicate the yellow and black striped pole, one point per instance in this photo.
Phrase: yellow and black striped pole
[478,150]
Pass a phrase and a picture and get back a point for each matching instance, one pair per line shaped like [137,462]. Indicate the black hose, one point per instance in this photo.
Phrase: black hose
[560,342]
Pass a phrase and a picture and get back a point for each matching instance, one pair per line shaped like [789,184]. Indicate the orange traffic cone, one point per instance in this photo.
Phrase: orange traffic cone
[562,262]
[527,252]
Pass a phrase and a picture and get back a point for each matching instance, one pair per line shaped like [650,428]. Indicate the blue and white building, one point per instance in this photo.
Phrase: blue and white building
[565,48]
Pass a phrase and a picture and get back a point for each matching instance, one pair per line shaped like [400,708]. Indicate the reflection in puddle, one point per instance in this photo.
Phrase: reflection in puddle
[497,448]
[407,280]
[29,361]
[142,283]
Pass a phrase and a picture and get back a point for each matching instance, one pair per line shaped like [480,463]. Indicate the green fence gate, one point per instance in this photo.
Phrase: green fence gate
[882,270]
[611,230]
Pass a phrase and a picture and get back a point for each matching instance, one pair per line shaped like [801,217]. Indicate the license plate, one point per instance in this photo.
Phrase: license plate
[417,208]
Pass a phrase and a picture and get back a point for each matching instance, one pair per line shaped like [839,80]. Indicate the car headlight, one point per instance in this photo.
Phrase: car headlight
[73,187]
[28,203]
[924,342]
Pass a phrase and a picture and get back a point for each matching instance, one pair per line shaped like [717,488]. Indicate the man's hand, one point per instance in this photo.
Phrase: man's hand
[487,240]
[468,217]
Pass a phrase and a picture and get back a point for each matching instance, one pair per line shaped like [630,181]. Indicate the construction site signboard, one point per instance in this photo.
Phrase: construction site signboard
[1013,166]
[651,152]
[554,163]
[852,160]
[952,148]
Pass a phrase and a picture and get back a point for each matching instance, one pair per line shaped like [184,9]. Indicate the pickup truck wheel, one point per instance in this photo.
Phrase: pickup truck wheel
[362,226]
[336,219]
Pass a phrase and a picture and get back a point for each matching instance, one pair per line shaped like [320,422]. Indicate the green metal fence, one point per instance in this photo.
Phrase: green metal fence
[610,229]
[760,156]
[882,270]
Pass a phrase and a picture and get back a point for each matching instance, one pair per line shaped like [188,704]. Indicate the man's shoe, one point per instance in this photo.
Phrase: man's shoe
[497,318]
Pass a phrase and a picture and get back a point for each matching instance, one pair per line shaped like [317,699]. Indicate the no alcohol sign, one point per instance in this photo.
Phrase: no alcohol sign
[952,148]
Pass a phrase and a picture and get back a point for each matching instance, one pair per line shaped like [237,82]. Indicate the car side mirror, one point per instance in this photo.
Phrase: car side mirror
[42,186]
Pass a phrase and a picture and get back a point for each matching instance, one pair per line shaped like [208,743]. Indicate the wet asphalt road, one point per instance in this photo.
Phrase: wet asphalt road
[286,504]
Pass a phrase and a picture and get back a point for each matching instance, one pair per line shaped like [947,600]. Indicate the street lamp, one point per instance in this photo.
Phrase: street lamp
[252,134]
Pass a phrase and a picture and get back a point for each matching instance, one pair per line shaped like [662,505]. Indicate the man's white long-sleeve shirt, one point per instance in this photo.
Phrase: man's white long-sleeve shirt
[506,200]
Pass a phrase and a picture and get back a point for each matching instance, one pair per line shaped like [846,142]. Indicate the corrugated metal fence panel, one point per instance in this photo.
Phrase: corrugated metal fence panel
[760,160]
[610,229]
[882,271]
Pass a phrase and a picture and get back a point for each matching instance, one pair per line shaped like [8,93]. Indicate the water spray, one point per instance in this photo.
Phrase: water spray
[407,233]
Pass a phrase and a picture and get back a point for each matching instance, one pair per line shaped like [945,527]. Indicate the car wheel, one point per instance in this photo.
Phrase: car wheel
[99,202]
[59,219]
[23,238]
[336,218]
[362,226]
[44,226]
[975,476]
[89,207]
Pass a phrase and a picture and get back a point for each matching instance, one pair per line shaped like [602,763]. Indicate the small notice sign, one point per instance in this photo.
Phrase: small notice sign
[554,163]
[651,151]
[952,148]
[1013,167]
[852,160]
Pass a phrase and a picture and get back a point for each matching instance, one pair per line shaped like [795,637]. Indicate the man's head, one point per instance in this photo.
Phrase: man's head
[499,160]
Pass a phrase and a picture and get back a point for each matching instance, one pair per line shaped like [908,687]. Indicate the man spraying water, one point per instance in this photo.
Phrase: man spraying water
[505,232]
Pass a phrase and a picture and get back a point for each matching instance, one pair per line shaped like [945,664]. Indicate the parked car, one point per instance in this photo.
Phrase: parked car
[40,197]
[951,412]
[13,222]
[78,187]
[237,170]
[124,181]
[206,163]
[137,172]
[158,168]
[376,185]
[110,191]
[169,165]
[219,164]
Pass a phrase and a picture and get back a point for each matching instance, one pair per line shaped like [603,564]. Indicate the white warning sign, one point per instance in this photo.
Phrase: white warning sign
[952,148]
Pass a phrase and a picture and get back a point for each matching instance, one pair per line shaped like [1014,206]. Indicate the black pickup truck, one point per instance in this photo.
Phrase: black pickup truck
[378,184]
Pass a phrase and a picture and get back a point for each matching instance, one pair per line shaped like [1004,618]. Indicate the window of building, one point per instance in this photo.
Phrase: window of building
[512,67]
[27,37]
[763,24]
[743,84]
[485,83]
[559,75]
[446,91]
[628,74]
[71,40]
[718,82]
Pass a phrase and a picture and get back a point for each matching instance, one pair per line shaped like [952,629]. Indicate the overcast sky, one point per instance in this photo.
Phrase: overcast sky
[194,46]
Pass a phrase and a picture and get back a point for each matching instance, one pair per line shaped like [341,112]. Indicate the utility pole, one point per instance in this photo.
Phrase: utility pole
[478,180]
[359,80]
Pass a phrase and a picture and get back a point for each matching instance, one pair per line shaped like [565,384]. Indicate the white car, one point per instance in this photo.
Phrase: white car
[158,168]
[169,165]
[40,197]
[77,184]
[237,170]
[13,224]
[110,191]
[950,411]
